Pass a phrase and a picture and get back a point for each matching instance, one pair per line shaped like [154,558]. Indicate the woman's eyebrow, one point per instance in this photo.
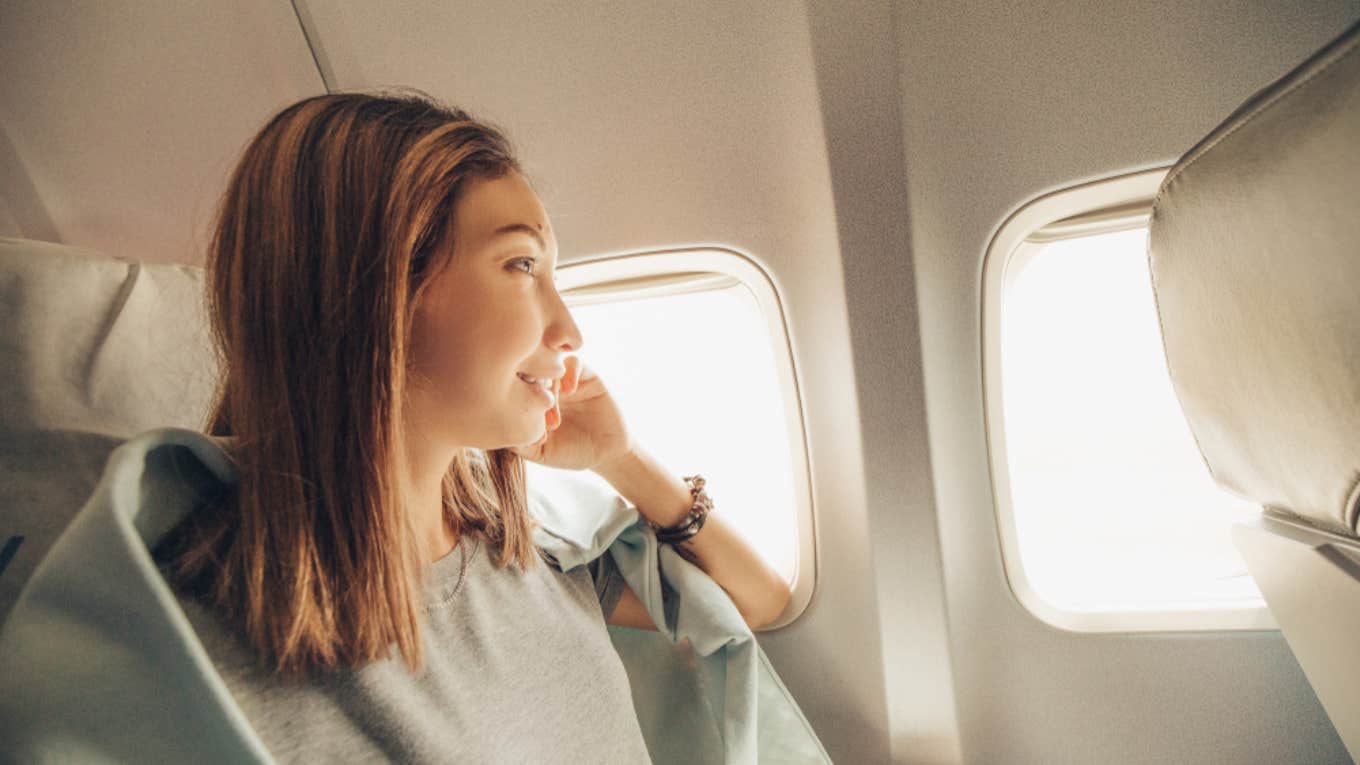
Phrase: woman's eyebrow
[525,228]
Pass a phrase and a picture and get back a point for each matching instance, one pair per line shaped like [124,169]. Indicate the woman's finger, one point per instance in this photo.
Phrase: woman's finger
[575,372]
[556,412]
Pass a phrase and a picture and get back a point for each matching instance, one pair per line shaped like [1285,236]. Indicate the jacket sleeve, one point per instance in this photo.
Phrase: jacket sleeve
[609,582]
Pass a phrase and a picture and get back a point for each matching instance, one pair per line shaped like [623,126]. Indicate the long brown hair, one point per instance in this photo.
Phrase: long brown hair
[332,223]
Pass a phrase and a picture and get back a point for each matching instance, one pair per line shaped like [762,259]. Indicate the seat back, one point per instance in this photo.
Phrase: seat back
[1254,249]
[93,350]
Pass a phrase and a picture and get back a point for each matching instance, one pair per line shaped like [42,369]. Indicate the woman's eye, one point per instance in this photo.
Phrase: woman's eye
[531,261]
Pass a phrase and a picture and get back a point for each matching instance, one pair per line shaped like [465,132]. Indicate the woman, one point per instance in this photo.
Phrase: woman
[393,345]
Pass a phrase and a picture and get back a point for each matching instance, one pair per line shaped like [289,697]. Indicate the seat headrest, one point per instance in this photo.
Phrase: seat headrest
[99,344]
[1254,249]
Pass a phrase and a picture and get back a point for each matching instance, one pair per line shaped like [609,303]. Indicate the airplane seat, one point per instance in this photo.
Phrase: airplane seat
[1254,250]
[93,350]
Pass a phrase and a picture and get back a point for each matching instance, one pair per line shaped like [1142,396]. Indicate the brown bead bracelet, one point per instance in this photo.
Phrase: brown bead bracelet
[693,521]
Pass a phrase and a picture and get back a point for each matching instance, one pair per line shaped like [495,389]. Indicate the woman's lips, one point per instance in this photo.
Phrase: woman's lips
[540,390]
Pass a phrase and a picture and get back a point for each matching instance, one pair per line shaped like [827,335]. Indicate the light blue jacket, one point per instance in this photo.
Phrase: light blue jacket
[99,664]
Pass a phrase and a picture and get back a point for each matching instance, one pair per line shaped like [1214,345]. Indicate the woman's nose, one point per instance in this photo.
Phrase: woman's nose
[562,333]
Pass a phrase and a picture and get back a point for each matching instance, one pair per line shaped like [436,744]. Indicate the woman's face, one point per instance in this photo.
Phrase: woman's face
[487,320]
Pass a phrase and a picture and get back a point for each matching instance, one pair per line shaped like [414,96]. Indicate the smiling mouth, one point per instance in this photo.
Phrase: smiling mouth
[543,386]
[543,382]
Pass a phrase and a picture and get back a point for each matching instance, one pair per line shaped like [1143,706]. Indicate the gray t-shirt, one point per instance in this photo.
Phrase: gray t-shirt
[518,668]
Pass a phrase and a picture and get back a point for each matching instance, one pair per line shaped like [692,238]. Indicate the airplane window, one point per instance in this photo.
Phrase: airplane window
[695,372]
[1113,508]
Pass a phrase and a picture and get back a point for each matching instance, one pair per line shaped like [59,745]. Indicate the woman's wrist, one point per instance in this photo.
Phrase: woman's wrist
[693,522]
[659,495]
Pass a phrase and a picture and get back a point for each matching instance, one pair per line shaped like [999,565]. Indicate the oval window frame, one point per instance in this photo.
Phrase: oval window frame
[673,271]
[1105,206]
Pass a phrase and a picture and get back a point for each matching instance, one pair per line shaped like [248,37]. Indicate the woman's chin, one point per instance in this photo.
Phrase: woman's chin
[526,436]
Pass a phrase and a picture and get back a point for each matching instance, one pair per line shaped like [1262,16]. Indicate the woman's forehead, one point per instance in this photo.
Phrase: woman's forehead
[501,206]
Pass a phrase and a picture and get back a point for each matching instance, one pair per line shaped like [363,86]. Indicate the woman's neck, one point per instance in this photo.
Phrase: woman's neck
[423,486]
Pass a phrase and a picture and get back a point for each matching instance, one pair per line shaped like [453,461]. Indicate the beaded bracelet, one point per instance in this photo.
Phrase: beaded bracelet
[693,521]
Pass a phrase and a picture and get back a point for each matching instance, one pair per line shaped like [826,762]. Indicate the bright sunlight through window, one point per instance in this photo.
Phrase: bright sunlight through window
[694,373]
[1114,509]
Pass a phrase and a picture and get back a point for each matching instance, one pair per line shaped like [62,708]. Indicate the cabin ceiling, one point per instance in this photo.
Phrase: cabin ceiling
[120,121]
[120,125]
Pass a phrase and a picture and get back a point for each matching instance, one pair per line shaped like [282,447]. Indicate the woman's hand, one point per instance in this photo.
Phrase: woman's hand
[584,429]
